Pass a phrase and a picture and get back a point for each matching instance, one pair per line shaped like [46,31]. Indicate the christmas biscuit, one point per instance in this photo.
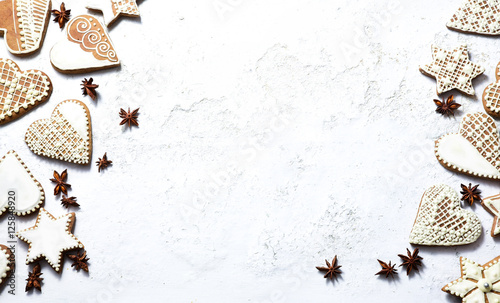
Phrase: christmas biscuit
[5,263]
[441,221]
[20,91]
[492,205]
[491,96]
[477,16]
[112,9]
[66,135]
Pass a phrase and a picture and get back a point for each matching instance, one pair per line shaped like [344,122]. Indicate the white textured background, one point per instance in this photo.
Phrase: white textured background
[273,135]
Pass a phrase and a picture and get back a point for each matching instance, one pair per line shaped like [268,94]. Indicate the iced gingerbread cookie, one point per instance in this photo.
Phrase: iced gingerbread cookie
[112,9]
[474,150]
[23,23]
[5,260]
[66,135]
[477,283]
[492,205]
[452,70]
[85,47]
[441,221]
[49,238]
[491,96]
[20,91]
[478,17]
[18,187]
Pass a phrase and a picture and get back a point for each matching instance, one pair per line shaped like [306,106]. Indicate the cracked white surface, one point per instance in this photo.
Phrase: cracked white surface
[262,150]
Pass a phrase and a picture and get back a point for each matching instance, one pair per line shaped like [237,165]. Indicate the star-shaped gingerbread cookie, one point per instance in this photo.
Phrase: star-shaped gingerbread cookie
[452,69]
[479,284]
[112,9]
[49,238]
[492,205]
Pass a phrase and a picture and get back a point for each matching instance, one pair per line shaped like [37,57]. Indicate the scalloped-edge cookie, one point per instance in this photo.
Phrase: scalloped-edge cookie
[5,263]
[112,9]
[66,135]
[49,238]
[477,283]
[28,194]
[474,150]
[21,91]
[23,24]
[440,220]
[86,47]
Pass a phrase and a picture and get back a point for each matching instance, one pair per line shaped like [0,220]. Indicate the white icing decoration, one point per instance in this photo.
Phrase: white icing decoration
[121,7]
[4,263]
[477,16]
[66,135]
[15,175]
[492,205]
[441,221]
[453,70]
[49,238]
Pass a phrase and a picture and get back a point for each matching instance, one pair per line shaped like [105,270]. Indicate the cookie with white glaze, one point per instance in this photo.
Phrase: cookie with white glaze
[477,283]
[492,205]
[5,263]
[49,238]
[452,69]
[112,9]
[27,193]
[21,91]
[23,24]
[491,96]
[440,220]
[86,47]
[474,150]
[477,17]
[66,135]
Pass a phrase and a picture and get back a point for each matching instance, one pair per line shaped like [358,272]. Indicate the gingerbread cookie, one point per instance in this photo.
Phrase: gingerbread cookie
[478,284]
[478,17]
[20,91]
[49,238]
[474,150]
[18,186]
[491,96]
[66,135]
[85,47]
[452,70]
[112,9]
[492,205]
[5,260]
[441,221]
[23,23]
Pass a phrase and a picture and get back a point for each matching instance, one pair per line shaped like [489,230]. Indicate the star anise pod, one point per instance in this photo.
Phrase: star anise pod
[332,270]
[62,16]
[89,88]
[387,269]
[129,117]
[69,201]
[446,107]
[80,261]
[412,261]
[103,163]
[61,185]
[34,280]
[470,194]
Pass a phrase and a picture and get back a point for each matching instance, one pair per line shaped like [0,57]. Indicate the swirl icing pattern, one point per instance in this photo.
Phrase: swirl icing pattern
[92,37]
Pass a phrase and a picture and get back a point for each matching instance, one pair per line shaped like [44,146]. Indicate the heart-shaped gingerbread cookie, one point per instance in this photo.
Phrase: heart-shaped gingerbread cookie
[66,135]
[20,91]
[474,150]
[491,96]
[86,47]
[441,221]
[19,190]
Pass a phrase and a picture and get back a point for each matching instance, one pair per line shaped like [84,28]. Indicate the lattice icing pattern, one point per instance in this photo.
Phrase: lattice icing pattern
[477,16]
[452,69]
[20,90]
[441,221]
[66,135]
[491,96]
[474,150]
[24,32]
[477,284]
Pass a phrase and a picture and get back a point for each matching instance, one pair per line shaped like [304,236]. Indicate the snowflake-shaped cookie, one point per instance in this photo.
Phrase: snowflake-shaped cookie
[479,284]
[452,69]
